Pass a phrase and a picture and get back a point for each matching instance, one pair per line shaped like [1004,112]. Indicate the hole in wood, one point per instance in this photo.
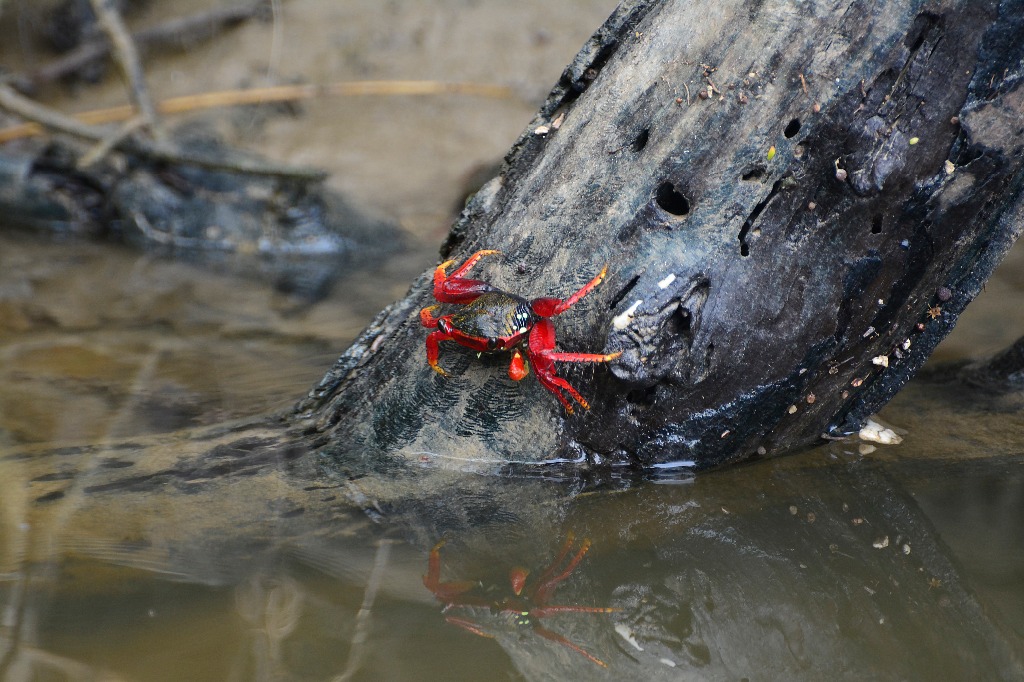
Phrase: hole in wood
[670,200]
[921,29]
[876,224]
[617,299]
[753,173]
[792,129]
[685,318]
[641,140]
[752,218]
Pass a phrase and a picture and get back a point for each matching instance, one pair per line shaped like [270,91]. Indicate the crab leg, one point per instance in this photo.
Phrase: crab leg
[546,611]
[453,288]
[545,587]
[580,357]
[551,381]
[518,575]
[427,318]
[446,592]
[540,349]
[469,625]
[555,637]
[563,552]
[548,307]
[433,350]
[542,345]
[471,261]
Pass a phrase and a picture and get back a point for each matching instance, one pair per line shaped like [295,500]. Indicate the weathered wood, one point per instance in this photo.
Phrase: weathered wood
[795,201]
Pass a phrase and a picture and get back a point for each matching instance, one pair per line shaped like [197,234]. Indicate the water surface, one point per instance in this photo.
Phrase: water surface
[153,526]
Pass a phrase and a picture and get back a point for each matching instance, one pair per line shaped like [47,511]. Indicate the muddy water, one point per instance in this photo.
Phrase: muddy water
[846,561]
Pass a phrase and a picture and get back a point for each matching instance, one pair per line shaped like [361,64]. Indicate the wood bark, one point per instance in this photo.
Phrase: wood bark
[795,200]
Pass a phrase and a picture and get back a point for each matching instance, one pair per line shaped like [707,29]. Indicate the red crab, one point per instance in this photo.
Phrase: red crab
[528,603]
[494,320]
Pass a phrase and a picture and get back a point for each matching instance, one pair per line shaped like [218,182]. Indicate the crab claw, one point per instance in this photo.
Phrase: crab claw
[519,367]
[517,576]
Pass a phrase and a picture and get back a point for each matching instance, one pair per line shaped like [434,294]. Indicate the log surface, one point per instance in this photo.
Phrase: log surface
[795,200]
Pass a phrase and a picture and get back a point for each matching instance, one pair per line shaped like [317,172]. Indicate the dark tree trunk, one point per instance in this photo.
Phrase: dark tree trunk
[796,201]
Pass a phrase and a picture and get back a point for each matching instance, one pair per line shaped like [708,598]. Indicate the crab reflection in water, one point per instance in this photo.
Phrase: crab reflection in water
[526,605]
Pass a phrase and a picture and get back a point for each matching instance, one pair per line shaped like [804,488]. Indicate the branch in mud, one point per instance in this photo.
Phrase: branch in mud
[25,108]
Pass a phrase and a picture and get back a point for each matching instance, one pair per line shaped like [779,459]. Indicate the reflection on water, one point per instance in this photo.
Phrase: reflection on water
[133,550]
[824,563]
[526,601]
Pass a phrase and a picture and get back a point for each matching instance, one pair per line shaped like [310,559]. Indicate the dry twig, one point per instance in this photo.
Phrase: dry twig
[20,105]
[280,93]
[127,57]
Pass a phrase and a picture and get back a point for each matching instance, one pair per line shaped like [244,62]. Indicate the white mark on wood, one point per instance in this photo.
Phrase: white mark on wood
[627,635]
[622,321]
[663,284]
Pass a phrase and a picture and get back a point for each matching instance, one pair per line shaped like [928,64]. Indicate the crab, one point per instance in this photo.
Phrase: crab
[495,320]
[528,602]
